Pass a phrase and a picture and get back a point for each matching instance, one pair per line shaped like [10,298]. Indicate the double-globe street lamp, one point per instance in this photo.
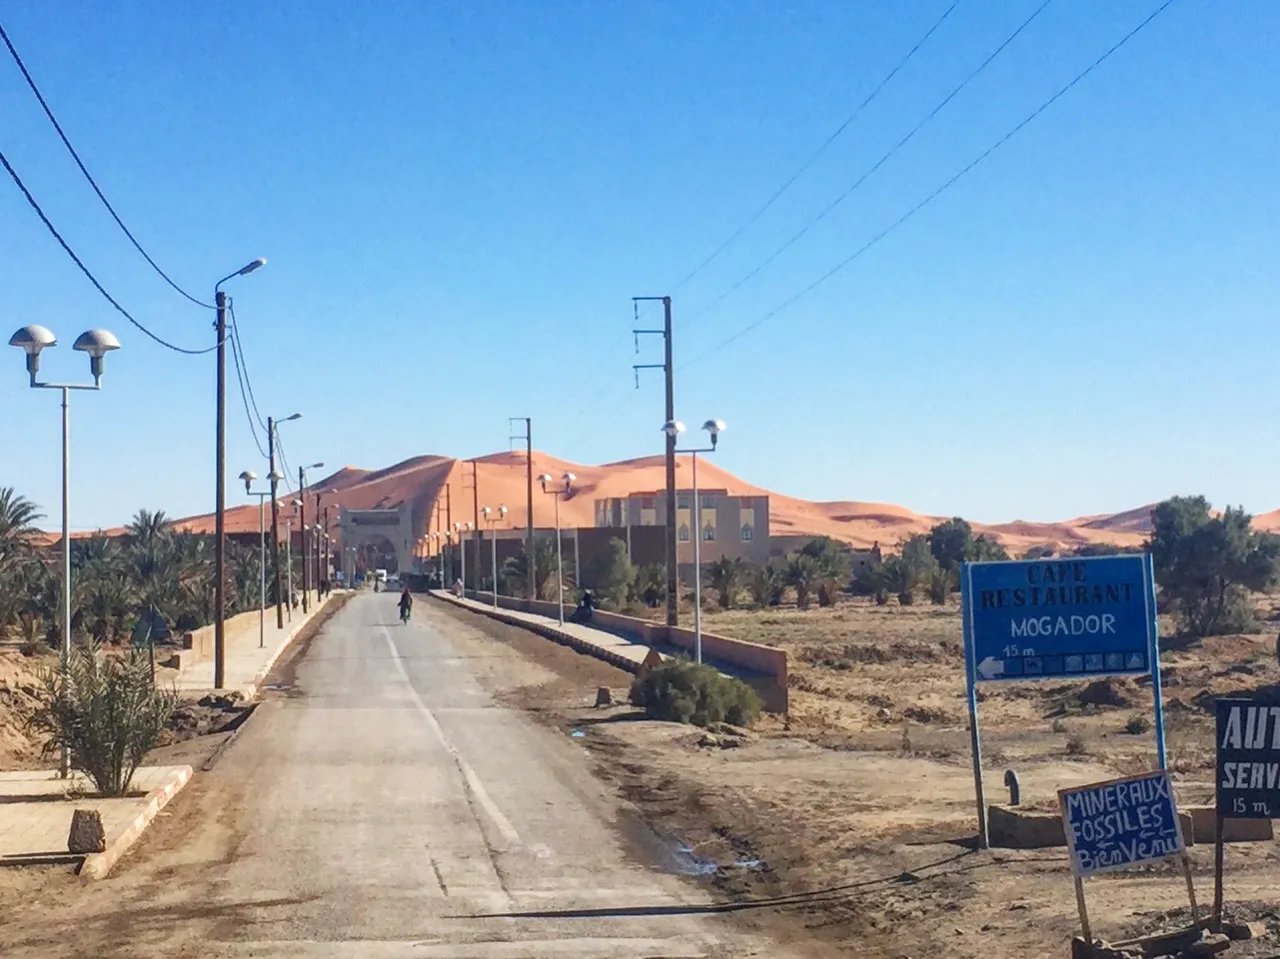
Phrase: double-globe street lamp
[462,530]
[565,488]
[249,476]
[97,343]
[301,504]
[493,544]
[673,429]
[273,425]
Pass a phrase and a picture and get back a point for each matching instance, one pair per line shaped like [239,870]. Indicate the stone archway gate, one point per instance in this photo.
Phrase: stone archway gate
[364,527]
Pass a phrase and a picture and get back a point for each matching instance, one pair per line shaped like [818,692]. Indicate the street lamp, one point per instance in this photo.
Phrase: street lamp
[673,428]
[249,476]
[445,542]
[493,544]
[301,503]
[559,492]
[462,529]
[97,343]
[220,496]
[273,424]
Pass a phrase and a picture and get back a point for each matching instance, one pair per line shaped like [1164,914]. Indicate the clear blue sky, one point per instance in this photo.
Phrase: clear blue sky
[458,200]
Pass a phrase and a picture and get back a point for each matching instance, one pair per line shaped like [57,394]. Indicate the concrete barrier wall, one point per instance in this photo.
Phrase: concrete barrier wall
[197,645]
[770,663]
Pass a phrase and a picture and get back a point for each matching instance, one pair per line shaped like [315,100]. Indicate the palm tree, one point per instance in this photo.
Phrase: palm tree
[766,584]
[803,574]
[725,576]
[516,570]
[18,536]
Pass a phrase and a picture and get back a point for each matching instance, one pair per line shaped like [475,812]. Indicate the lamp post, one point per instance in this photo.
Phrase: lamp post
[566,487]
[445,564]
[249,476]
[288,562]
[673,428]
[493,545]
[463,529]
[220,495]
[301,503]
[97,343]
[273,425]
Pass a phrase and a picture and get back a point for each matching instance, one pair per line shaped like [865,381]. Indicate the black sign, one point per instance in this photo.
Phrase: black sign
[1248,758]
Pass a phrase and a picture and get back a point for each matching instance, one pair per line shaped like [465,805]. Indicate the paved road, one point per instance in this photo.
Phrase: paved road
[389,808]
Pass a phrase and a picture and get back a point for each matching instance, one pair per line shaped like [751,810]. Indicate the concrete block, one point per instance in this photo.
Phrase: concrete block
[1012,827]
[1233,830]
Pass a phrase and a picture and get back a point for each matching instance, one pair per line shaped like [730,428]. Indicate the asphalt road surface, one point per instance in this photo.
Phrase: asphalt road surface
[390,808]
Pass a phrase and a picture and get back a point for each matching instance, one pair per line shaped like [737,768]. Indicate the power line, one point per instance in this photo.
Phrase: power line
[85,270]
[13,52]
[238,346]
[244,396]
[821,149]
[876,166]
[939,191]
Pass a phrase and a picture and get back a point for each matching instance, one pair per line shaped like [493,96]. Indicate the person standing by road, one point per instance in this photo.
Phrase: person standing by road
[406,605]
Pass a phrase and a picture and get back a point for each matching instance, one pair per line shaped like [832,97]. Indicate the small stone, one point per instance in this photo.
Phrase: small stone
[1209,945]
[732,742]
[883,714]
[604,697]
[1013,906]
[27,689]
[709,739]
[87,834]
[1245,930]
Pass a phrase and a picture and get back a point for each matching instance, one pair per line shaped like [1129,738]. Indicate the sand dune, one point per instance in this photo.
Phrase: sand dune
[425,481]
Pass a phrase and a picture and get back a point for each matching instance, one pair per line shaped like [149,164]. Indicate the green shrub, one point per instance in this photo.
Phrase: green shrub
[683,692]
[1137,725]
[106,711]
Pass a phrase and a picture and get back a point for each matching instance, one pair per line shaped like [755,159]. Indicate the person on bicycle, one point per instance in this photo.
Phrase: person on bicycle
[406,604]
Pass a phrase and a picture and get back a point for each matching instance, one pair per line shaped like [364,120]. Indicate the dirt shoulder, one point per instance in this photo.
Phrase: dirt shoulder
[855,821]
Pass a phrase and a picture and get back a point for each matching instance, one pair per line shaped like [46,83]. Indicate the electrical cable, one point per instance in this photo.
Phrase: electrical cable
[238,346]
[936,193]
[244,398]
[85,270]
[821,149]
[13,52]
[876,166]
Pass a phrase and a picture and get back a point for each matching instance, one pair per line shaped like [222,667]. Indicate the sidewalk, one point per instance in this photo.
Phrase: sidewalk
[619,650]
[247,663]
[37,810]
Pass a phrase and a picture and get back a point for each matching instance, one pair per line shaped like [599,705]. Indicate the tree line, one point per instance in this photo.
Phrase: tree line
[115,581]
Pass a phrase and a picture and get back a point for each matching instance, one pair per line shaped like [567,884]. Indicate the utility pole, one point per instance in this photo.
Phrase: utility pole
[673,569]
[275,521]
[532,587]
[302,525]
[220,501]
[475,509]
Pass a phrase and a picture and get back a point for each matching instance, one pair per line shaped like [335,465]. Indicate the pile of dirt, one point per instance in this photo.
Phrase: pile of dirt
[19,684]
[1112,691]
[203,717]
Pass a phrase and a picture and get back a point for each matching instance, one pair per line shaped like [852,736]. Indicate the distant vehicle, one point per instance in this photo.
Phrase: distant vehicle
[380,575]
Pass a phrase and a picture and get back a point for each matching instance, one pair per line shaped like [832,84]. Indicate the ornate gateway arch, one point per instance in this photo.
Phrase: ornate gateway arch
[362,529]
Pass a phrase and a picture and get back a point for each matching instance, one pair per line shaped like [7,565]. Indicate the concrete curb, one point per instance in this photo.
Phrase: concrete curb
[260,676]
[548,631]
[97,865]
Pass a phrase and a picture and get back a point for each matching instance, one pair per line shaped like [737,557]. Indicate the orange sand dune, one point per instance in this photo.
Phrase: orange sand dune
[426,481]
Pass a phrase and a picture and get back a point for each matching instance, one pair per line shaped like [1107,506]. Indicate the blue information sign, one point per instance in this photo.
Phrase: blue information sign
[1121,822]
[1055,618]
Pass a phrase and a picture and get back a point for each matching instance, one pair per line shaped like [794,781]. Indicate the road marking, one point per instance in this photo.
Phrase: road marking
[474,785]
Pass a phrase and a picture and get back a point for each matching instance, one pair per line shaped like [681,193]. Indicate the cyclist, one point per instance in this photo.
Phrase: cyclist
[406,605]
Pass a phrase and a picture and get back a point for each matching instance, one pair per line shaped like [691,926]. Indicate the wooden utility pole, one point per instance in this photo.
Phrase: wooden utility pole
[275,521]
[668,369]
[220,501]
[532,585]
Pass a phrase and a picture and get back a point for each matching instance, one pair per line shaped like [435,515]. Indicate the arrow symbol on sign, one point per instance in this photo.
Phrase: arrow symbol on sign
[991,667]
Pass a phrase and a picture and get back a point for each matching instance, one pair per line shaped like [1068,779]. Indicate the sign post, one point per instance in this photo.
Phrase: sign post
[1069,618]
[1118,823]
[1248,772]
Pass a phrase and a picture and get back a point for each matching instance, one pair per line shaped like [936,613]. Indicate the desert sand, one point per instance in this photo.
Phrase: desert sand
[501,481]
